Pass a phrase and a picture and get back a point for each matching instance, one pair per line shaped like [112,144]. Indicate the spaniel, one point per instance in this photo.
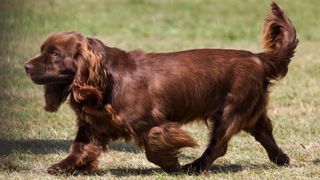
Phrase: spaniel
[144,98]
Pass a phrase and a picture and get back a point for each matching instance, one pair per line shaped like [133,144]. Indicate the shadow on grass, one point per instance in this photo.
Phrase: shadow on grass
[124,147]
[216,169]
[316,161]
[34,146]
[42,146]
[123,172]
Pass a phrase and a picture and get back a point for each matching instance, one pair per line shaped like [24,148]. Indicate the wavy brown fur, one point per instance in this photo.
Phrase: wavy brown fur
[91,74]
[280,42]
[55,95]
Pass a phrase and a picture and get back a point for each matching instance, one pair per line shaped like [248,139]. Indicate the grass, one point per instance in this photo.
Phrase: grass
[31,139]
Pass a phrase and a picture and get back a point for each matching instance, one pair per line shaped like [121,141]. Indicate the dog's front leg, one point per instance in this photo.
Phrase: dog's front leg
[83,154]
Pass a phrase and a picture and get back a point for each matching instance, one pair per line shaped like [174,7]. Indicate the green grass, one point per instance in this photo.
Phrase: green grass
[31,139]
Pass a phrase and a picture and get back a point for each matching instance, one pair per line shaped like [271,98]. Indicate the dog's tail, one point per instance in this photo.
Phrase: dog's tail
[280,42]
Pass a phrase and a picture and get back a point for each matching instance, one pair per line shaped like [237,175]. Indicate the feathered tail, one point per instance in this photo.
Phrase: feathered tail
[280,42]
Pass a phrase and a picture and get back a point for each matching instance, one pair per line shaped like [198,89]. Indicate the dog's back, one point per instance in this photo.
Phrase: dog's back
[194,83]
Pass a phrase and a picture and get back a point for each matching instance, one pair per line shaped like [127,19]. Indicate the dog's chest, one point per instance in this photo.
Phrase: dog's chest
[103,121]
[91,115]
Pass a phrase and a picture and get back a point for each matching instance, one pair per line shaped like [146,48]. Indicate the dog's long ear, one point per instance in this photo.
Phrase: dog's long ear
[91,77]
[55,95]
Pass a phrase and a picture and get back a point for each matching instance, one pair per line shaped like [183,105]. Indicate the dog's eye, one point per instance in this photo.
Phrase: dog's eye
[54,54]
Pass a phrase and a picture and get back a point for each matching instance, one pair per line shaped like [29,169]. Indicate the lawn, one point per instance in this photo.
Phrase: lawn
[32,139]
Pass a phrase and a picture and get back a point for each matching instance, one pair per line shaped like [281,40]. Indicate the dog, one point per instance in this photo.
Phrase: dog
[145,98]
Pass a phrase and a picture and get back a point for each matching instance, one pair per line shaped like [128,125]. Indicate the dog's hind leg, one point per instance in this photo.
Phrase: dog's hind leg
[222,132]
[262,132]
[238,110]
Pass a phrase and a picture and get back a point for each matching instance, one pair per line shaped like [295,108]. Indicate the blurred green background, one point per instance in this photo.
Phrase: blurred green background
[31,139]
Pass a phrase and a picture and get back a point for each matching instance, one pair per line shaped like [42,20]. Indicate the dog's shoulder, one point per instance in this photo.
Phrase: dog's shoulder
[136,54]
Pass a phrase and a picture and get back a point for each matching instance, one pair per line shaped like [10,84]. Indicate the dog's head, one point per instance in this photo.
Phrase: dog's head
[68,61]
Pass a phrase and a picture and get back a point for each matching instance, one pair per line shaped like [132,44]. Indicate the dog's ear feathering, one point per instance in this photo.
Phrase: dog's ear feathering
[91,77]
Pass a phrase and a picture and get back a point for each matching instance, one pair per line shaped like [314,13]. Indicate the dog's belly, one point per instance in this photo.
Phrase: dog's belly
[195,100]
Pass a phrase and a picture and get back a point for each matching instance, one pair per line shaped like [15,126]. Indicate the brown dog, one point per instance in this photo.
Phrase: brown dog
[146,97]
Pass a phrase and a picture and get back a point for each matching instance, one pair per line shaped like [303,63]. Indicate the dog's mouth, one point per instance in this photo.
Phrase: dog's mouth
[59,79]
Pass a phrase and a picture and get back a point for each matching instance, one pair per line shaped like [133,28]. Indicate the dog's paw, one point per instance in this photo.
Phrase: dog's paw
[282,159]
[196,167]
[61,168]
[56,169]
[88,167]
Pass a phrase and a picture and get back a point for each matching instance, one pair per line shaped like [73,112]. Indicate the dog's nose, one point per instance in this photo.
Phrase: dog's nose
[28,67]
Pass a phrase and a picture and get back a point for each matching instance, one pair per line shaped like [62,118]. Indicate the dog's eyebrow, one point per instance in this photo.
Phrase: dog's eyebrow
[49,48]
[53,48]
